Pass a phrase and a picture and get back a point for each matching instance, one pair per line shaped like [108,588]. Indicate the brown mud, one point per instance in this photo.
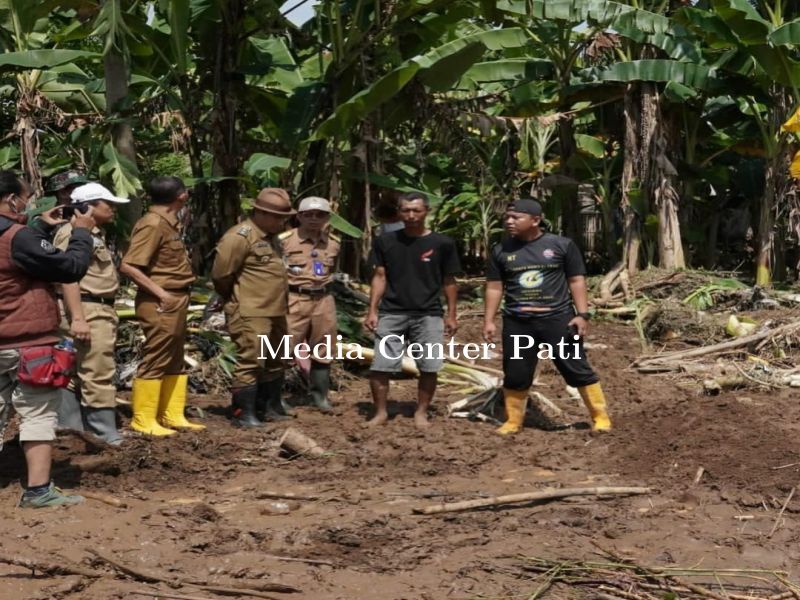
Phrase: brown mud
[197,505]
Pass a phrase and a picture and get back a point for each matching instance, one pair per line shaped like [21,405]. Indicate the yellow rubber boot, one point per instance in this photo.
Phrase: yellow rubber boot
[144,402]
[595,401]
[173,402]
[516,401]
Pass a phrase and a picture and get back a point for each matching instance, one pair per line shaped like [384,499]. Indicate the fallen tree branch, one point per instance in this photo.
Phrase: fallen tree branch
[780,514]
[236,589]
[49,568]
[105,498]
[310,561]
[530,497]
[670,361]
[157,595]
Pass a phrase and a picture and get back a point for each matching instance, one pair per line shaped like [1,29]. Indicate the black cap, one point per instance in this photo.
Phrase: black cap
[527,206]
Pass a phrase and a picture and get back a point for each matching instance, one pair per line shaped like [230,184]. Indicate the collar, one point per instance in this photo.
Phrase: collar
[165,213]
[261,233]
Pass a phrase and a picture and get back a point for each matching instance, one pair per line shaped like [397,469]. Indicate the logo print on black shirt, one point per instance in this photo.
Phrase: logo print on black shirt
[426,256]
[531,279]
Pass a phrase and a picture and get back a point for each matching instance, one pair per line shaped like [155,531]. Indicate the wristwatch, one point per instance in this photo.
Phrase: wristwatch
[586,316]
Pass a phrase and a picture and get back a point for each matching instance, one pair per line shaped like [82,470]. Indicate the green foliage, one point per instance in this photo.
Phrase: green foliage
[703,297]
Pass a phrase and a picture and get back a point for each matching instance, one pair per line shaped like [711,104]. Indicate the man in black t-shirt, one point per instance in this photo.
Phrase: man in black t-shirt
[412,267]
[546,306]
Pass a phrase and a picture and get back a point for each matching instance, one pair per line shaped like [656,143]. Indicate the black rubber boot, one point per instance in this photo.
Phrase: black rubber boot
[320,383]
[269,406]
[243,403]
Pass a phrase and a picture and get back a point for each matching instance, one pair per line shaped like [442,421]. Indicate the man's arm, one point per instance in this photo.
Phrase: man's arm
[580,298]
[493,295]
[78,327]
[231,252]
[32,252]
[451,294]
[377,289]
[167,301]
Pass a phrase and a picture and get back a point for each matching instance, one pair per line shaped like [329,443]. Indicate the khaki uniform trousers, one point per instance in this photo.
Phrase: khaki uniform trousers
[96,365]
[164,333]
[245,332]
[310,319]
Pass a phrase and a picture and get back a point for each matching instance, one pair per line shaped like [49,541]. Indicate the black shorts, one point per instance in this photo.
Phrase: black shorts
[524,339]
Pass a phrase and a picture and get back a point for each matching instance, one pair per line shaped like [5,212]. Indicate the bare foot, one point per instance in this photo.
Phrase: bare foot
[421,421]
[378,419]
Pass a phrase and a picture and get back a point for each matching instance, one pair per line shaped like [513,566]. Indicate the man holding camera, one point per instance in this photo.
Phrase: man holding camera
[29,319]
[93,321]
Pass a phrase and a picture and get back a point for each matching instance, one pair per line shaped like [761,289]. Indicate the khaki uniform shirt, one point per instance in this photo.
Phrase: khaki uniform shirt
[101,279]
[157,249]
[309,265]
[249,272]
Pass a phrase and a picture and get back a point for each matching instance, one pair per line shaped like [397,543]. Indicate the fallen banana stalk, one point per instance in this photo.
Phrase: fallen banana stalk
[453,373]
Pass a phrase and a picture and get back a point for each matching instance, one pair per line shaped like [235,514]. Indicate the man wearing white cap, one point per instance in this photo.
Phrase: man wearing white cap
[311,252]
[93,322]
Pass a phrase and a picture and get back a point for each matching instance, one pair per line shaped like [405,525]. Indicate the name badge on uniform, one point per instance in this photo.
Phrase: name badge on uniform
[319,269]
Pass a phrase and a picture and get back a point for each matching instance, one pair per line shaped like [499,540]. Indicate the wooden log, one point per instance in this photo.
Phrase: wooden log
[296,442]
[49,568]
[530,497]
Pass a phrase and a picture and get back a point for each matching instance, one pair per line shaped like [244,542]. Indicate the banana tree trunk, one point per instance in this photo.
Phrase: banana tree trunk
[776,185]
[665,195]
[116,79]
[631,181]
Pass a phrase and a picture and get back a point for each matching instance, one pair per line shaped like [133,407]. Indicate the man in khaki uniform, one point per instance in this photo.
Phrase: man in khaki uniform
[311,253]
[93,322]
[158,263]
[250,276]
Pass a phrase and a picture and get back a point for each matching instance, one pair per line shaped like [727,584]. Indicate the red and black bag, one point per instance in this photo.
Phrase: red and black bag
[46,366]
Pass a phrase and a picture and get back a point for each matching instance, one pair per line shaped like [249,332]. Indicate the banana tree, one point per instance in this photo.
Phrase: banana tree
[756,43]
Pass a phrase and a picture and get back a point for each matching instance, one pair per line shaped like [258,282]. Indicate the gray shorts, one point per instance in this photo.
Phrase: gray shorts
[390,347]
[36,406]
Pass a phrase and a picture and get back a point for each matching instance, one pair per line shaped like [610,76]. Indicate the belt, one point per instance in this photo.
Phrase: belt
[97,299]
[307,291]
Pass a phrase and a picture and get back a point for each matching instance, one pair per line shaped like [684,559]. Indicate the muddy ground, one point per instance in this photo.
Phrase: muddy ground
[196,507]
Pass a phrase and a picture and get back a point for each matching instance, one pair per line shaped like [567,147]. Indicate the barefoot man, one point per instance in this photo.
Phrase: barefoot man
[412,267]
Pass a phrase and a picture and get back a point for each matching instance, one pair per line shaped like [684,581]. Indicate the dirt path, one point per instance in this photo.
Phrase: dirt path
[194,509]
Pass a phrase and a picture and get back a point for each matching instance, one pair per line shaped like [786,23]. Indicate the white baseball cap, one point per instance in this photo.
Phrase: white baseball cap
[95,191]
[314,203]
